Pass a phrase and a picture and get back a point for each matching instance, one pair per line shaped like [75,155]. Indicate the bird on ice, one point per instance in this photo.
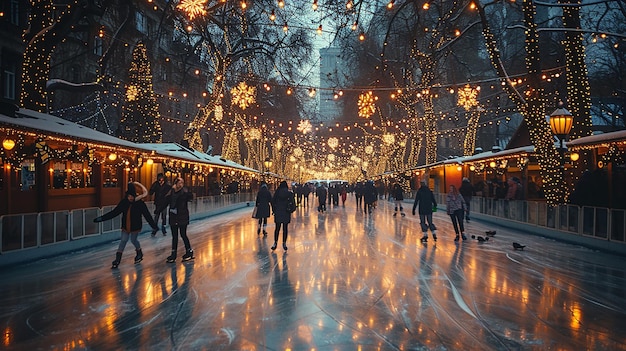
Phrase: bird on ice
[490,232]
[518,246]
[480,238]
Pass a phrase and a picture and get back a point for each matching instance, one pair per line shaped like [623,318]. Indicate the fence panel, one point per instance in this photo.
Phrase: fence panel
[54,227]
[618,225]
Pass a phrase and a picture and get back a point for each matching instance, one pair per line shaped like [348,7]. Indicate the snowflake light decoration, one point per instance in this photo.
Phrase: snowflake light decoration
[369,149]
[298,152]
[131,93]
[331,157]
[243,95]
[333,142]
[305,126]
[193,8]
[467,97]
[389,139]
[366,104]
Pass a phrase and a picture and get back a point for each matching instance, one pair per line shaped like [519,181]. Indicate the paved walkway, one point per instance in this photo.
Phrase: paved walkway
[349,281]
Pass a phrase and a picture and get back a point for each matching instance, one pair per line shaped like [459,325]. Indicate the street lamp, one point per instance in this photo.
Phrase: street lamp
[561,121]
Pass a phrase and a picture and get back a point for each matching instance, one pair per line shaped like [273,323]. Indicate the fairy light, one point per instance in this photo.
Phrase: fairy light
[243,95]
[193,8]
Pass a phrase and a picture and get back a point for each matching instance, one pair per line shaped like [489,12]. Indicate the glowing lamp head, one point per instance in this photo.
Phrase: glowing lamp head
[561,121]
[8,144]
[112,156]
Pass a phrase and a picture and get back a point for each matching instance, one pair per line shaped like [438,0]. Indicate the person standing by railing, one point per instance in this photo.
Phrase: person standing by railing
[131,208]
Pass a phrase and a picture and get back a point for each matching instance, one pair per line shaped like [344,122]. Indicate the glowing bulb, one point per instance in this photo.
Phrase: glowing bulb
[8,144]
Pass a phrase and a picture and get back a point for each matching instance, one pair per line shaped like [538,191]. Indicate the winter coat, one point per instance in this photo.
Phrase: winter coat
[159,191]
[321,194]
[280,201]
[263,199]
[138,208]
[178,209]
[371,194]
[454,202]
[426,201]
[466,190]
[398,193]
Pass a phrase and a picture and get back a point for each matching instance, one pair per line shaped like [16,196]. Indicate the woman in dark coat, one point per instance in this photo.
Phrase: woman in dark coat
[370,196]
[263,199]
[132,209]
[398,197]
[426,201]
[283,204]
[177,199]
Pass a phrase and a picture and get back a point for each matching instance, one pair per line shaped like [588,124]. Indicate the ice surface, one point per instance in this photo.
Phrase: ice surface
[350,281]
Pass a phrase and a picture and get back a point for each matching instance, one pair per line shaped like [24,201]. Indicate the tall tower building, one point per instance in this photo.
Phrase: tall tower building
[332,78]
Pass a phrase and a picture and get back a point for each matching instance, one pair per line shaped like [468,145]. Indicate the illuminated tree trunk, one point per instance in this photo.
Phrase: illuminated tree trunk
[430,129]
[470,137]
[531,103]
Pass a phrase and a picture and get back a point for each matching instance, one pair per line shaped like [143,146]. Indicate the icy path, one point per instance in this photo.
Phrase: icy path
[349,281]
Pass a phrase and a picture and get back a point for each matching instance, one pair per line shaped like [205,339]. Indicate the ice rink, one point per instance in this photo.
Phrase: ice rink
[349,281]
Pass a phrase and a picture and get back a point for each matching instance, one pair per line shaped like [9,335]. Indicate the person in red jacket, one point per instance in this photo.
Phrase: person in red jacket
[132,208]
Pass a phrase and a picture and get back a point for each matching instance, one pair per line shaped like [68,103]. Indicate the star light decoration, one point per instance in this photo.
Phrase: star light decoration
[366,104]
[305,126]
[467,97]
[193,8]
[243,95]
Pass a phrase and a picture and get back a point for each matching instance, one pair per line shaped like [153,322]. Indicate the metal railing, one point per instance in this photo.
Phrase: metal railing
[33,230]
[598,222]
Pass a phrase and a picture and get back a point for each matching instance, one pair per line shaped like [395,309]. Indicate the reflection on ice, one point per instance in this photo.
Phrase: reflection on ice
[350,281]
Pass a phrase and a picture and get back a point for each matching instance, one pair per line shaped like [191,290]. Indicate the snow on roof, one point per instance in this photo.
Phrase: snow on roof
[37,122]
[598,139]
[490,154]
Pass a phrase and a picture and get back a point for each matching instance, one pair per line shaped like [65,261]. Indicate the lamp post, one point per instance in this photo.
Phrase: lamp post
[561,121]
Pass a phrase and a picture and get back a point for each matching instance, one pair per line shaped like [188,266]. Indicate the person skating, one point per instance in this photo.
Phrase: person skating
[177,199]
[321,198]
[158,190]
[455,205]
[283,204]
[132,208]
[426,201]
[398,196]
[263,199]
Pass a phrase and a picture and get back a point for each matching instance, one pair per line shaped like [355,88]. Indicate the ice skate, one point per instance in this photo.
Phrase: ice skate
[424,239]
[163,230]
[139,256]
[171,258]
[285,246]
[274,246]
[118,258]
[188,255]
[434,237]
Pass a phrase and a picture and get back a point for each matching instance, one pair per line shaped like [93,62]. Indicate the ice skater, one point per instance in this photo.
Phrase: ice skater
[455,205]
[283,204]
[177,199]
[398,197]
[132,208]
[426,201]
[263,199]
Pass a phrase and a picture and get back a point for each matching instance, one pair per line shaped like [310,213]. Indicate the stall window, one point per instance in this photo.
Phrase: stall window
[110,176]
[80,176]
[59,176]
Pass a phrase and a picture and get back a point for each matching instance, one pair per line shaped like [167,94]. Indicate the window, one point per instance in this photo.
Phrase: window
[109,176]
[27,172]
[141,23]
[8,80]
[15,12]
[97,46]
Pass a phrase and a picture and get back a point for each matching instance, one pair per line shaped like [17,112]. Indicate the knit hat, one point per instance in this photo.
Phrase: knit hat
[131,190]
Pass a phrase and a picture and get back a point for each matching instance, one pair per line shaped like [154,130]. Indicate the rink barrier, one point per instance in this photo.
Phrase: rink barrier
[596,227]
[30,236]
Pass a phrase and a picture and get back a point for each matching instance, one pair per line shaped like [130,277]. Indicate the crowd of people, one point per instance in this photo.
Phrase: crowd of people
[171,202]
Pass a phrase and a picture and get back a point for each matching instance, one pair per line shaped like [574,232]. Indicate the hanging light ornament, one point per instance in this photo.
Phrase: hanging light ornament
[389,139]
[366,104]
[333,142]
[193,8]
[305,126]
[298,152]
[331,157]
[253,133]
[467,97]
[369,149]
[243,95]
[279,144]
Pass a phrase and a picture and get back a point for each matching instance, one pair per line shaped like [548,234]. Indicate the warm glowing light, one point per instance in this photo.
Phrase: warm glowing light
[467,97]
[426,6]
[150,161]
[366,104]
[193,8]
[243,95]
[272,16]
[362,36]
[8,144]
[574,156]
[112,156]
